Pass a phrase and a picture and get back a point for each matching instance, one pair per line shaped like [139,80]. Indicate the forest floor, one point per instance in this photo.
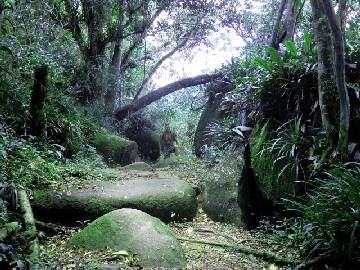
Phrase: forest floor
[207,244]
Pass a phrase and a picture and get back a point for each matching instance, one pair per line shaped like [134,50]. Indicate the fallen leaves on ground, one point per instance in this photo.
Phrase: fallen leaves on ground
[199,255]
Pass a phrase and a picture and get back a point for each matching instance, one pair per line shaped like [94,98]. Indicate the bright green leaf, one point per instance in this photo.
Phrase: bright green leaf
[262,63]
[307,40]
[274,55]
[291,46]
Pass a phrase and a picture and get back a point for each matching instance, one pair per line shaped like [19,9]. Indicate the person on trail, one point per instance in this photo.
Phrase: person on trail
[166,142]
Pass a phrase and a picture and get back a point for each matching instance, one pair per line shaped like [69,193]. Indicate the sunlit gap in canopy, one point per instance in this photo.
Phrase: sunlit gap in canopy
[203,59]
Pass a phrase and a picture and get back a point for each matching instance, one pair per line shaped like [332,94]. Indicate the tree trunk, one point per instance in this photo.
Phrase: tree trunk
[1,7]
[341,13]
[326,86]
[292,13]
[339,70]
[37,121]
[158,64]
[163,91]
[275,30]
[293,9]
[114,90]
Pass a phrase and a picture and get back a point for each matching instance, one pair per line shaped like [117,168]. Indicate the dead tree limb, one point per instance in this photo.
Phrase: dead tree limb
[29,221]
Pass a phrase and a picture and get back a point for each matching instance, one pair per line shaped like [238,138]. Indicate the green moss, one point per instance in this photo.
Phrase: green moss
[12,226]
[276,179]
[31,232]
[96,207]
[109,146]
[109,141]
[42,197]
[92,237]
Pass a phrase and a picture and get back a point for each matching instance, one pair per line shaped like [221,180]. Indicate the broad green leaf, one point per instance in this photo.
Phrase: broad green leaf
[262,63]
[291,46]
[274,55]
[307,40]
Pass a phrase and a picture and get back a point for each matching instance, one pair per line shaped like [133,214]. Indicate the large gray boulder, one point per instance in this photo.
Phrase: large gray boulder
[135,231]
[220,189]
[168,199]
[142,131]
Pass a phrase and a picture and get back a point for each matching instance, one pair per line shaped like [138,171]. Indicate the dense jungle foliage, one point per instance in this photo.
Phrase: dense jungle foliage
[69,67]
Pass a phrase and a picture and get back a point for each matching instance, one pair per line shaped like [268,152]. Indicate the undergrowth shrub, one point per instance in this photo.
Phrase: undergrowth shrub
[285,158]
[330,214]
[226,135]
[24,164]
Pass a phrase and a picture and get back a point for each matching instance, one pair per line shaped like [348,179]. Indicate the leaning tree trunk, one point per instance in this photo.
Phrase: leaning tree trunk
[37,121]
[339,70]
[146,100]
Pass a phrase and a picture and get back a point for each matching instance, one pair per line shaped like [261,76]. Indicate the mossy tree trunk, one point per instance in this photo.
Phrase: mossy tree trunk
[332,76]
[29,223]
[339,70]
[37,121]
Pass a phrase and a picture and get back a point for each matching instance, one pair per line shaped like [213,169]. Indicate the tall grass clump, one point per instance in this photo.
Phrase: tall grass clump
[330,214]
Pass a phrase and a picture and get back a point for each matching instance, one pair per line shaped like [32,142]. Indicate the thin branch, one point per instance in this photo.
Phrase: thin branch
[157,65]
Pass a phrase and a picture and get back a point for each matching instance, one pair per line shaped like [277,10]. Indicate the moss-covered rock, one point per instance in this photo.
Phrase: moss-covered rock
[220,190]
[166,198]
[137,166]
[135,231]
[163,163]
[116,150]
[275,176]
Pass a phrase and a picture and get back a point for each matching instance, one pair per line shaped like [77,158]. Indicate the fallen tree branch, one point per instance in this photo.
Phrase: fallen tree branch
[29,221]
[267,255]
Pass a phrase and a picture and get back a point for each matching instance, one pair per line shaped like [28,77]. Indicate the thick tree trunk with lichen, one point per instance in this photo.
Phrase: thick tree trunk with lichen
[114,90]
[326,85]
[37,121]
[339,70]
[332,76]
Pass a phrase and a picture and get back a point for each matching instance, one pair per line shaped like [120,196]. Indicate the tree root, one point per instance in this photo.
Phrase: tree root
[266,255]
[206,231]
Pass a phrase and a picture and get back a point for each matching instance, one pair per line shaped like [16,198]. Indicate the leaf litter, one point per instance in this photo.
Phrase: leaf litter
[197,238]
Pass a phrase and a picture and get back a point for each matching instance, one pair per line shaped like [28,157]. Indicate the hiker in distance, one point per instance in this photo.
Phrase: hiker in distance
[166,142]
